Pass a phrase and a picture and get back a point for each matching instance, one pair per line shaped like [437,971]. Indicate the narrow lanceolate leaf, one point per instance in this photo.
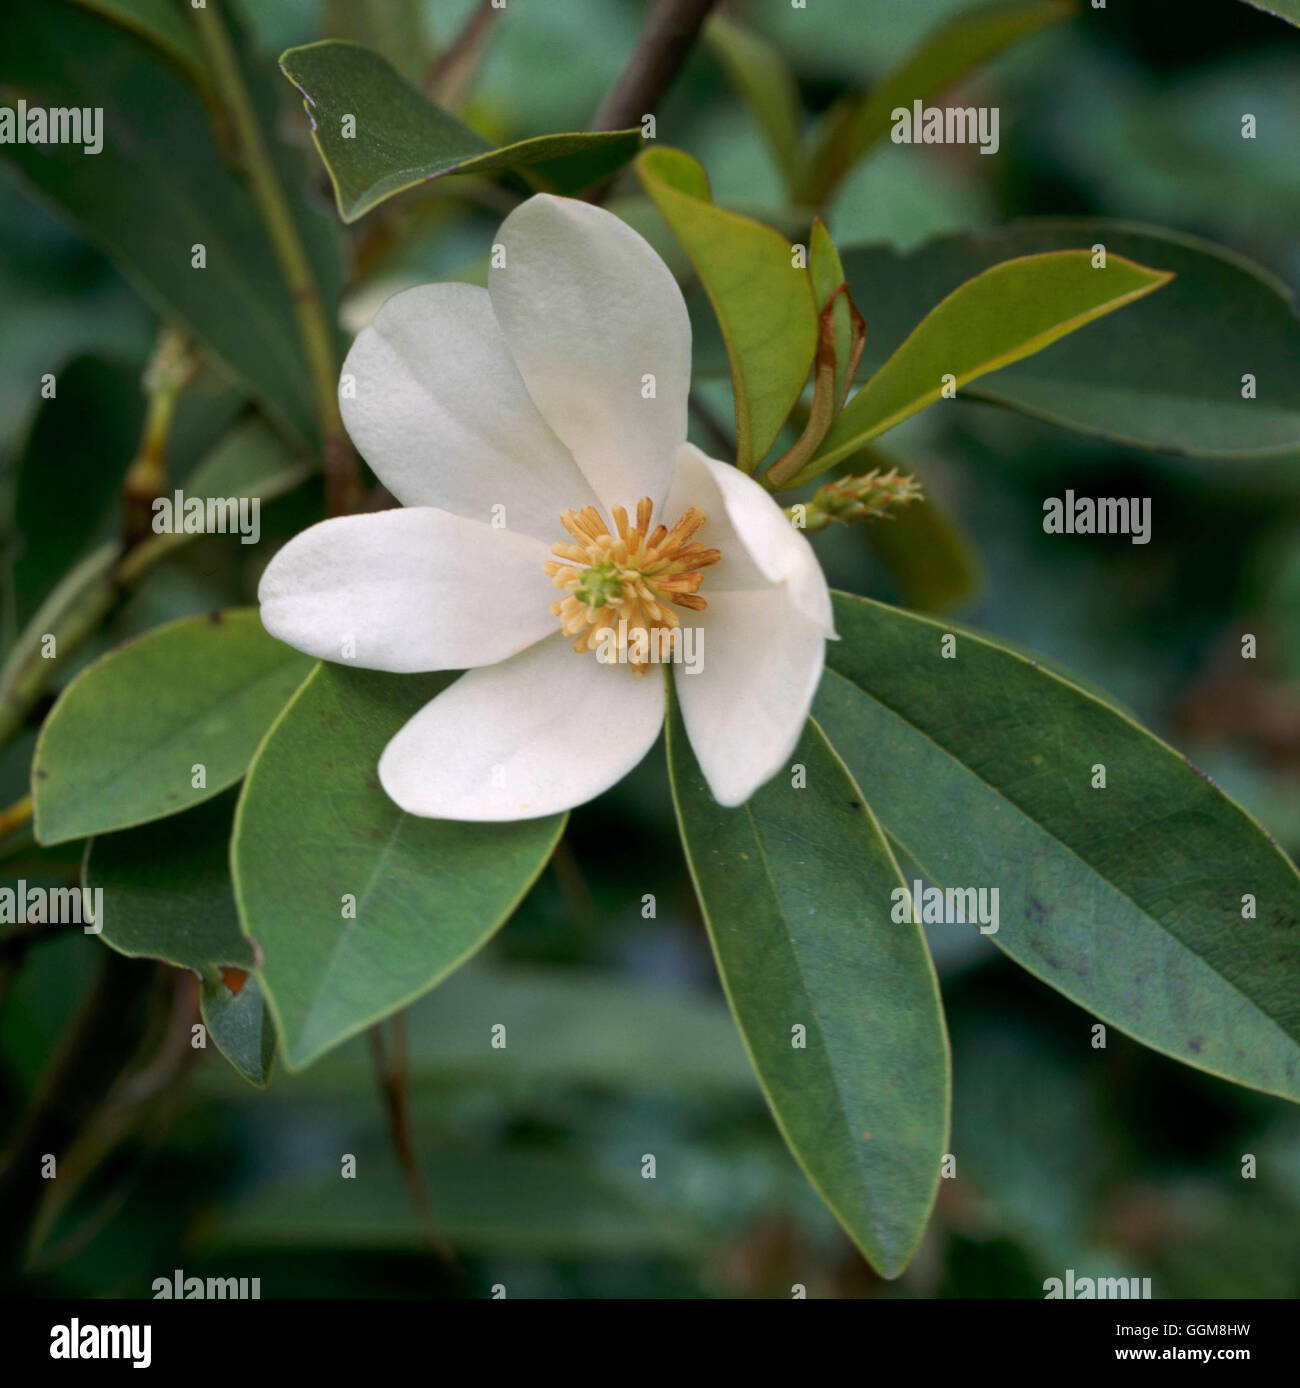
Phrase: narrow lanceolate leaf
[1125,878]
[357,907]
[759,72]
[379,136]
[836,1001]
[969,39]
[1006,313]
[1173,372]
[762,301]
[164,203]
[160,725]
[238,1022]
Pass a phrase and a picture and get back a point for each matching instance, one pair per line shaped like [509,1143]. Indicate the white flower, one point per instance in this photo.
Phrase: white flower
[501,418]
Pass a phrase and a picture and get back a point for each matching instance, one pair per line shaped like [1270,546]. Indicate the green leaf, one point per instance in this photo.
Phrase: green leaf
[251,460]
[1165,374]
[926,551]
[402,139]
[499,1202]
[566,1025]
[62,512]
[1284,9]
[395,29]
[167,895]
[119,747]
[240,1025]
[164,26]
[796,892]
[159,187]
[64,491]
[971,38]
[1005,313]
[1127,899]
[827,272]
[763,304]
[315,827]
[167,892]
[759,72]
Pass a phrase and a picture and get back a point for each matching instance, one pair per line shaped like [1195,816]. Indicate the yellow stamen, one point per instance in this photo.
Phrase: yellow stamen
[634,576]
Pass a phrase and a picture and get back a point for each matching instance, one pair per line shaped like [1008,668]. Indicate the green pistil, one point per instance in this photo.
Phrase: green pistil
[599,586]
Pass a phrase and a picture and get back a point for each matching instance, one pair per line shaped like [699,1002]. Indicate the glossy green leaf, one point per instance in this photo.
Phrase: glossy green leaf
[1005,313]
[240,1025]
[121,745]
[400,139]
[796,890]
[763,303]
[1165,374]
[972,37]
[159,187]
[167,892]
[359,908]
[1129,898]
[759,72]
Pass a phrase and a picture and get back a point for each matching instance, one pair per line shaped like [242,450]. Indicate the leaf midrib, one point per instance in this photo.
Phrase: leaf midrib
[1073,853]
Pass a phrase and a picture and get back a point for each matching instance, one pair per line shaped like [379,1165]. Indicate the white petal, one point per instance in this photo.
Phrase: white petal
[441,414]
[540,733]
[589,311]
[413,589]
[745,708]
[759,545]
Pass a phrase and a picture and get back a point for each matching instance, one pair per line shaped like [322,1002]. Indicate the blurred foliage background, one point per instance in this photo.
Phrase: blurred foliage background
[1113,1162]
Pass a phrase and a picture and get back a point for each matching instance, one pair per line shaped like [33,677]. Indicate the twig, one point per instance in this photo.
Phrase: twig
[668,37]
[449,76]
[394,1080]
[16,815]
[170,370]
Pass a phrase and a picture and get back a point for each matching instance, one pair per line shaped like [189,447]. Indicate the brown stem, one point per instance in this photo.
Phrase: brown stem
[394,1079]
[668,37]
[448,78]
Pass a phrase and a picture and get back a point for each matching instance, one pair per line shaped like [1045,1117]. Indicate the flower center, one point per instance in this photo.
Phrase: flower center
[621,590]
